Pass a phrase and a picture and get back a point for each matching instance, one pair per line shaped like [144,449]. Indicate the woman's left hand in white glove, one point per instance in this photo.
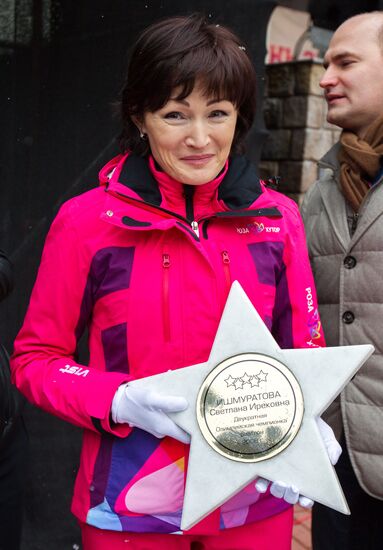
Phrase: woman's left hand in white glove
[290,493]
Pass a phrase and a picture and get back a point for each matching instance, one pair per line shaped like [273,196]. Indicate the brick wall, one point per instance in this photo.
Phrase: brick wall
[295,118]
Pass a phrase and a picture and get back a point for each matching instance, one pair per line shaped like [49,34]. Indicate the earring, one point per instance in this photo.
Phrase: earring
[142,135]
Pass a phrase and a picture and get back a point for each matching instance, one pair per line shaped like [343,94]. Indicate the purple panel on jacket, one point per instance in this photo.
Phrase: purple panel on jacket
[110,270]
[268,260]
[115,345]
[148,524]
[268,322]
[282,328]
[270,506]
[101,471]
[271,270]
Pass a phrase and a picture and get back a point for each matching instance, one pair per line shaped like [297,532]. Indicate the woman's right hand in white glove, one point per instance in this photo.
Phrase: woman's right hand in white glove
[290,493]
[147,410]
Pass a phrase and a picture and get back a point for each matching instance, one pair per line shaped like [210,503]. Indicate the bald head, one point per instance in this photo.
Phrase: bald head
[372,22]
[353,81]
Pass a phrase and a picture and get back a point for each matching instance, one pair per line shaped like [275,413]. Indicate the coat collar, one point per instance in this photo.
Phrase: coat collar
[330,159]
[336,206]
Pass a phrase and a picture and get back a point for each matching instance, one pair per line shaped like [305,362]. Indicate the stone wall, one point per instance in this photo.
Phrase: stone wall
[295,118]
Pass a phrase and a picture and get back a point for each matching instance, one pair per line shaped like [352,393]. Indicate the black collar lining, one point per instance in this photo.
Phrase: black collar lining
[238,189]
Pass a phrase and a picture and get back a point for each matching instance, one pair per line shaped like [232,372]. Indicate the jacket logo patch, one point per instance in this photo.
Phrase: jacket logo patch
[314,327]
[256,227]
[78,371]
[314,324]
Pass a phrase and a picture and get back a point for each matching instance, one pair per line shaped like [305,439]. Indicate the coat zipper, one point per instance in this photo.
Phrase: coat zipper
[165,296]
[226,268]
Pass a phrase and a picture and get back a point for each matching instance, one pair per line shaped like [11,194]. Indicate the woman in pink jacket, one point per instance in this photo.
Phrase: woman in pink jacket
[145,261]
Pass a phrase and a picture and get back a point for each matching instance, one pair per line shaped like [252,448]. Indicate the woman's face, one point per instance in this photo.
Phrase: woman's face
[191,138]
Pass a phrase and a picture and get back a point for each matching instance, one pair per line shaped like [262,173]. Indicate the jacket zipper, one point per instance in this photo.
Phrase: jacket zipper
[194,226]
[226,268]
[165,296]
[189,207]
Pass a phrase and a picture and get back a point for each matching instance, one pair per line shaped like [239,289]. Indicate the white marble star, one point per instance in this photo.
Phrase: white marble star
[321,372]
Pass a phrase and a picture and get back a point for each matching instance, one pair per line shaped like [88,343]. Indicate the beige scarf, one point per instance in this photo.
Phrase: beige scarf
[360,162]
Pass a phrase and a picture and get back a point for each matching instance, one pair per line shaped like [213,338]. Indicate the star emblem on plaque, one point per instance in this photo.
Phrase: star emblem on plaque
[252,410]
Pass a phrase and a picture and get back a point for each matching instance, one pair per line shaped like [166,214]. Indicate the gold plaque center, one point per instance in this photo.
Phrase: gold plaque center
[250,407]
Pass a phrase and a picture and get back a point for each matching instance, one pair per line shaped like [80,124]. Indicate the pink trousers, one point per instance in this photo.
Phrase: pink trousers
[273,533]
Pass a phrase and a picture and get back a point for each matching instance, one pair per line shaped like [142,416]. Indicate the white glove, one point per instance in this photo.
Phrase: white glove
[334,450]
[279,489]
[147,410]
[290,493]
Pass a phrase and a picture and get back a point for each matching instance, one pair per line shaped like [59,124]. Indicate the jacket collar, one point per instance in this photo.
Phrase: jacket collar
[238,185]
[241,186]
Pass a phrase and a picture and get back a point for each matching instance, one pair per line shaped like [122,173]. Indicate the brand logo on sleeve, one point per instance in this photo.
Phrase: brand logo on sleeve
[78,371]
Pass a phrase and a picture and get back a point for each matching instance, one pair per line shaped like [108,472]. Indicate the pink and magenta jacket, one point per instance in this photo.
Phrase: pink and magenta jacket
[146,264]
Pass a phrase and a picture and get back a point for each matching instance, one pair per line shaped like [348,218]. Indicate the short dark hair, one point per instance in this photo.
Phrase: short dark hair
[175,52]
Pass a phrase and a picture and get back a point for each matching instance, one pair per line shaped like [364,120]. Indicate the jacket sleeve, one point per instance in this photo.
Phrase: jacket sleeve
[296,322]
[43,364]
[6,276]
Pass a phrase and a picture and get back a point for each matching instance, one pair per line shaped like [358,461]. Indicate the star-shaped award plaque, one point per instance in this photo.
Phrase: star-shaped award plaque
[252,412]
